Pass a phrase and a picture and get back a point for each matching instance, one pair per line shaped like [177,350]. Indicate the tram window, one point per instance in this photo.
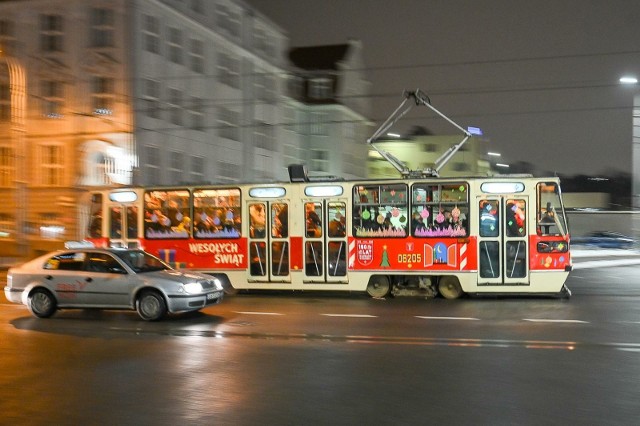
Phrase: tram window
[337,258]
[489,259]
[216,213]
[515,218]
[550,216]
[313,258]
[280,258]
[132,222]
[279,220]
[167,214]
[115,220]
[258,253]
[95,222]
[313,221]
[489,217]
[337,224]
[380,210]
[257,220]
[439,210]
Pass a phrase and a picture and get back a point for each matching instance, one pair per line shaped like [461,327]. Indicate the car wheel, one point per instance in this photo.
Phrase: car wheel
[151,306]
[449,287]
[41,303]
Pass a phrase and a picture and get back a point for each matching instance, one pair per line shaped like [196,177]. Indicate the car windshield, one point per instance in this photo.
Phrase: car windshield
[140,261]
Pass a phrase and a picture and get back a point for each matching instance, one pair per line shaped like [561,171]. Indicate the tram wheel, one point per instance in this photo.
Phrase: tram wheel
[378,286]
[449,287]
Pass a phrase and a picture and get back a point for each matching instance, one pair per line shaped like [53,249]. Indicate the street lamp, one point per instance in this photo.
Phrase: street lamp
[630,80]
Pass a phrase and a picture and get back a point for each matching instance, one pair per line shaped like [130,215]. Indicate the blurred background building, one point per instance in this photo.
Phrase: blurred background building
[160,92]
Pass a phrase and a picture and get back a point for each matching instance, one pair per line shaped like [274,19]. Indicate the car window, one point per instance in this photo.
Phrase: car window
[105,263]
[141,261]
[69,261]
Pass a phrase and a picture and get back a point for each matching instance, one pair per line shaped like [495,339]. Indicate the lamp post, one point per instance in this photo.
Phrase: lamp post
[635,154]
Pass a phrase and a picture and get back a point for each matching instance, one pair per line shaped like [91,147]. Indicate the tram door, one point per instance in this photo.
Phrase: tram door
[325,241]
[123,221]
[502,241]
[269,241]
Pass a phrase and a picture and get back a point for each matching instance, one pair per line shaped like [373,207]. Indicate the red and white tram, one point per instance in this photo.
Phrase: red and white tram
[420,236]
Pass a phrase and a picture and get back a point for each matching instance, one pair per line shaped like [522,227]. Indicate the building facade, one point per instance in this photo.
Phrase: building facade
[151,92]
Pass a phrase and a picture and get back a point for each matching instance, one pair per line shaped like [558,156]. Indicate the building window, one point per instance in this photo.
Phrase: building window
[7,168]
[175,106]
[52,98]
[319,123]
[153,165]
[197,114]
[152,98]
[196,56]
[320,88]
[228,20]
[175,46]
[228,171]
[228,124]
[151,34]
[103,95]
[265,138]
[176,167]
[7,37]
[229,70]
[51,33]
[197,169]
[320,160]
[102,27]
[51,165]
[5,102]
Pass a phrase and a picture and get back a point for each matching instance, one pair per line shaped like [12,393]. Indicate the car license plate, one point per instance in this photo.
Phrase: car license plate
[211,296]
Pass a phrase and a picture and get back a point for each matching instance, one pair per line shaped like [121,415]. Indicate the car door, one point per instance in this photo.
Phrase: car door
[107,282]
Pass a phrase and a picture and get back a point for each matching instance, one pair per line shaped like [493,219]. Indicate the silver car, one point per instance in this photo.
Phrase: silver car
[109,279]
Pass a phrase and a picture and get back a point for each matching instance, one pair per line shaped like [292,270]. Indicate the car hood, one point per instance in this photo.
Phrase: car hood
[178,276]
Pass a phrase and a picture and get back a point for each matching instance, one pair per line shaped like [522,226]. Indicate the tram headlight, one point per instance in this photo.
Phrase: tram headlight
[193,288]
[553,247]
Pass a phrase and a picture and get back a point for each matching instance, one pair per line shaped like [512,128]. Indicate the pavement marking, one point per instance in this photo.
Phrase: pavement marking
[555,320]
[258,313]
[450,318]
[350,315]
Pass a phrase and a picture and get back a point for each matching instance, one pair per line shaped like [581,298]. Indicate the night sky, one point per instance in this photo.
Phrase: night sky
[539,77]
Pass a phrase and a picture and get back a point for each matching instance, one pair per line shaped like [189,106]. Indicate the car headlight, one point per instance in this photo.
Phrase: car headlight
[193,288]
[218,284]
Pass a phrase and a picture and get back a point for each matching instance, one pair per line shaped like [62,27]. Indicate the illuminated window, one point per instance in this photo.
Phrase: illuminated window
[440,210]
[51,165]
[5,102]
[320,88]
[167,214]
[102,95]
[380,210]
[217,213]
[7,168]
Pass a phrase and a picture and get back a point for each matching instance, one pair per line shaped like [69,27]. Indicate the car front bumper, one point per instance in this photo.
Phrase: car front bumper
[184,303]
